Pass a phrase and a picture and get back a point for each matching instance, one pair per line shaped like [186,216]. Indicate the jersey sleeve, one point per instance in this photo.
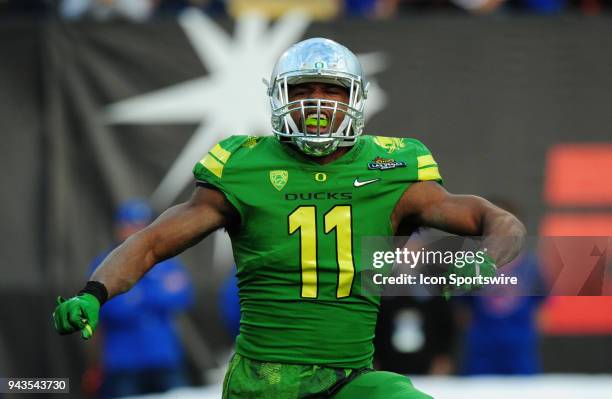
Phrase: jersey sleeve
[215,167]
[426,166]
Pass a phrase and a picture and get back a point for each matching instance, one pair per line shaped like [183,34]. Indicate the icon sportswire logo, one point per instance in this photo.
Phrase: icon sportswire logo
[358,183]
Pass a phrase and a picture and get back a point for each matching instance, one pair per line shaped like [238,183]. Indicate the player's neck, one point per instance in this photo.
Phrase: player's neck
[331,157]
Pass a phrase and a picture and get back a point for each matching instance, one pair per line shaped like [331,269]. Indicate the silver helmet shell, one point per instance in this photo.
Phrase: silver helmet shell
[324,61]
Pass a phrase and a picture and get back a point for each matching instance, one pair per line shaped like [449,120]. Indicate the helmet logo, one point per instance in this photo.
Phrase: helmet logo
[279,178]
[319,65]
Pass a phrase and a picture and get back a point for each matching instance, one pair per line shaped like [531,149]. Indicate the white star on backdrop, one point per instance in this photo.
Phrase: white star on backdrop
[231,99]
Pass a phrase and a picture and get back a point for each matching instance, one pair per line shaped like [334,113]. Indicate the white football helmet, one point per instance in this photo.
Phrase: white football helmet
[324,61]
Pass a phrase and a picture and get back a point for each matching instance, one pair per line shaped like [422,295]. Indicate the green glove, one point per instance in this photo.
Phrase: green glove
[80,312]
[473,269]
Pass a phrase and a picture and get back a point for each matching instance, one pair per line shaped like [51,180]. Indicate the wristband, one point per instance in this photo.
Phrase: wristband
[97,289]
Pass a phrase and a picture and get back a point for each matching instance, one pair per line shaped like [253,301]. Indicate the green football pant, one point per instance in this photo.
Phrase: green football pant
[380,385]
[252,379]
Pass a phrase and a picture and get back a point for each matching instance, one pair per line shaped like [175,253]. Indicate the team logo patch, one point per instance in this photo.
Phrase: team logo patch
[279,178]
[390,143]
[251,141]
[384,164]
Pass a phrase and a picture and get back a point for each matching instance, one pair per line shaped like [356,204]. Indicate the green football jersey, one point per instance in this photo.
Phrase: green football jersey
[298,247]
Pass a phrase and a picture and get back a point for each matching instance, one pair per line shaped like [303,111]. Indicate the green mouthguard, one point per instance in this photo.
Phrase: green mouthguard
[313,122]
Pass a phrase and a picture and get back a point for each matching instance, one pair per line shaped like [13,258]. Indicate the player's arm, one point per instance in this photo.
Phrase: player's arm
[177,229]
[428,204]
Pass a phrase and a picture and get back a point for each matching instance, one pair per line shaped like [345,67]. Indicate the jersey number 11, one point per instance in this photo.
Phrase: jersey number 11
[338,218]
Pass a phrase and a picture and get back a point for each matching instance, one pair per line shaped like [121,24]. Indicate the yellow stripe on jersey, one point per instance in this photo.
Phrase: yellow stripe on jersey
[214,166]
[425,160]
[220,153]
[429,174]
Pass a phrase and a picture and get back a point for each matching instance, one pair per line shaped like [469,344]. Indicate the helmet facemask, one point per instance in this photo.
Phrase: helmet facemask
[317,126]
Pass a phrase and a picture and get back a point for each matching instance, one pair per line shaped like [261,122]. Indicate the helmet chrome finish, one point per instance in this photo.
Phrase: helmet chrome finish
[323,61]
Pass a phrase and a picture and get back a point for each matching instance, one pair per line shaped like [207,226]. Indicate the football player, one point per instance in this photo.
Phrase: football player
[295,205]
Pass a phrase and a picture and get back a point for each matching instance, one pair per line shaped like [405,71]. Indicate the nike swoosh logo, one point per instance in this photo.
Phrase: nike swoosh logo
[358,183]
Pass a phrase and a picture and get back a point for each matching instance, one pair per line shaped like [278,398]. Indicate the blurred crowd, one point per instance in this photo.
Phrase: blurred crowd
[142,10]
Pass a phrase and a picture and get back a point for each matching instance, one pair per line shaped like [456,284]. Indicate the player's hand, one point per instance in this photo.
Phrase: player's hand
[486,268]
[80,312]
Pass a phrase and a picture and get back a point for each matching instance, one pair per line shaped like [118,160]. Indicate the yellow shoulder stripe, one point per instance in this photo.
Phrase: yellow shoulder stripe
[215,160]
[214,166]
[425,160]
[429,174]
[220,153]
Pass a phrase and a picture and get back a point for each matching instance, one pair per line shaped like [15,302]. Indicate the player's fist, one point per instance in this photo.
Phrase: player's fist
[468,274]
[80,312]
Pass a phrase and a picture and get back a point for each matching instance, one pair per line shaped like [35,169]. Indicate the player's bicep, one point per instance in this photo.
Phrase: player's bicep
[186,224]
[428,204]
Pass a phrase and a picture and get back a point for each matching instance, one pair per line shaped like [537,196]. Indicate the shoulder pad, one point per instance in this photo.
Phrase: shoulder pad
[215,160]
